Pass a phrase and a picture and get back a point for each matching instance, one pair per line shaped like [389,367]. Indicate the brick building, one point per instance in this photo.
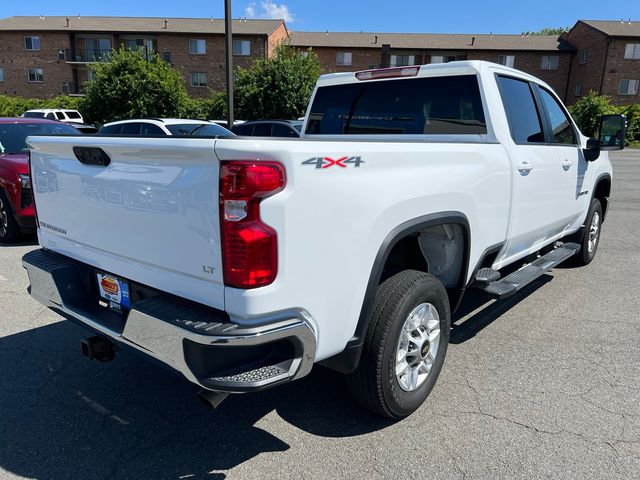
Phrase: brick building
[546,57]
[607,60]
[46,56]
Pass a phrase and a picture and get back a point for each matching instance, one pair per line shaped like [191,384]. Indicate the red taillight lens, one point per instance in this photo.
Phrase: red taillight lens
[249,246]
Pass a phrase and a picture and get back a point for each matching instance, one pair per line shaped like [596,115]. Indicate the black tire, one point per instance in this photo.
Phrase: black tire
[585,256]
[374,383]
[9,229]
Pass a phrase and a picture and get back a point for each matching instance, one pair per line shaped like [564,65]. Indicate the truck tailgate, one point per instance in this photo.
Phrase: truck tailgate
[150,216]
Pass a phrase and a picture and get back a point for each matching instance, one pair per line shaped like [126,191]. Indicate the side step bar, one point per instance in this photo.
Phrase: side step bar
[517,280]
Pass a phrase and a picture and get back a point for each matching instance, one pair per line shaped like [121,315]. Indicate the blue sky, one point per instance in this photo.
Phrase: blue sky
[461,16]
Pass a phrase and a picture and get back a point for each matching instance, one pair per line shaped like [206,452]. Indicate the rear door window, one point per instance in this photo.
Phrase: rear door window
[521,110]
[60,116]
[244,130]
[151,129]
[417,106]
[131,129]
[111,130]
[280,130]
[262,130]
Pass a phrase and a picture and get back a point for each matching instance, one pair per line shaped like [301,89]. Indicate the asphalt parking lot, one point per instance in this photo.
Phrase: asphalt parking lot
[544,385]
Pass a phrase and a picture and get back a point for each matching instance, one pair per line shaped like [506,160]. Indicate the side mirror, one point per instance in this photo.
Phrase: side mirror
[592,152]
[613,129]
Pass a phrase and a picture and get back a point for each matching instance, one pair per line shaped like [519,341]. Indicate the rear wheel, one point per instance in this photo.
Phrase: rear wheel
[9,229]
[405,345]
[591,238]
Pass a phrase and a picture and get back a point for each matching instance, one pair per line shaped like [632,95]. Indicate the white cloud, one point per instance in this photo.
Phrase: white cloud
[269,10]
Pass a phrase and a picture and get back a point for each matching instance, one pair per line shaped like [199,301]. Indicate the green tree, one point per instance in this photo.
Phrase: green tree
[277,87]
[549,31]
[586,112]
[130,85]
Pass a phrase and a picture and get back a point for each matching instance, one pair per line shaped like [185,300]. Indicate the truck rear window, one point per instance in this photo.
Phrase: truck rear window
[418,106]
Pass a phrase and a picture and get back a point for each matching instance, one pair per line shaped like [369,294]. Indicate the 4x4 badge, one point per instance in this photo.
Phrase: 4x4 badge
[327,162]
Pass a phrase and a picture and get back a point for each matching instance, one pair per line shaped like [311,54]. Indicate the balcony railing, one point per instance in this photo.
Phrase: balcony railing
[87,55]
[72,88]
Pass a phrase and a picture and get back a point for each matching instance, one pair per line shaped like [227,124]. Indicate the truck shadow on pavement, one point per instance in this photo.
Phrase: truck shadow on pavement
[65,417]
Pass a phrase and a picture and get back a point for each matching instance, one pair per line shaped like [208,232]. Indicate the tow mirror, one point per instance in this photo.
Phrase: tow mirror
[613,129]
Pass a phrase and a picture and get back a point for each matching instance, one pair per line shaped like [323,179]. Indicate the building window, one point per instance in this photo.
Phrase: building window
[632,51]
[344,59]
[550,62]
[402,60]
[36,75]
[578,91]
[242,48]
[437,59]
[1,74]
[584,55]
[507,60]
[446,58]
[197,47]
[32,43]
[628,87]
[166,56]
[304,53]
[199,79]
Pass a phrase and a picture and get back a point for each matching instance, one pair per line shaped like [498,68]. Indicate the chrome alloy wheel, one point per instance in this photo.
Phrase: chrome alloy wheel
[417,347]
[594,232]
[4,220]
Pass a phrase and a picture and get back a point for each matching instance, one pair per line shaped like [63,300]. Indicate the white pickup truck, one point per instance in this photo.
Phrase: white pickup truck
[241,262]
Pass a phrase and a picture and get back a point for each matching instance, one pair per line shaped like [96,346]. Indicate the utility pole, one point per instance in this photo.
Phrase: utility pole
[229,57]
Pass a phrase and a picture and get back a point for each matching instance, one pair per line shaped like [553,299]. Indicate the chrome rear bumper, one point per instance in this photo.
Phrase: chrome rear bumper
[197,341]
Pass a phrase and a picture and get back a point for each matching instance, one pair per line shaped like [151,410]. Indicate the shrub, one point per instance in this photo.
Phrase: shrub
[130,85]
[586,112]
[16,106]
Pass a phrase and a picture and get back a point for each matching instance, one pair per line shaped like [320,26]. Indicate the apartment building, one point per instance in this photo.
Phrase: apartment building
[607,60]
[46,56]
[546,57]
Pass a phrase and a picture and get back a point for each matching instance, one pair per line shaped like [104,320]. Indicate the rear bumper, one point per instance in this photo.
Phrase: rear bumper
[197,341]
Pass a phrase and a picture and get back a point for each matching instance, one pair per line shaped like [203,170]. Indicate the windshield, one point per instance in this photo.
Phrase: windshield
[13,135]
[199,129]
[33,114]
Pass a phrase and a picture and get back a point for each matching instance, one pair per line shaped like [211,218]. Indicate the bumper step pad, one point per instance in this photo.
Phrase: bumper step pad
[517,280]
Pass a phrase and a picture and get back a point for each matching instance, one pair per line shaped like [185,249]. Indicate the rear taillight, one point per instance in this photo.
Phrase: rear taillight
[249,246]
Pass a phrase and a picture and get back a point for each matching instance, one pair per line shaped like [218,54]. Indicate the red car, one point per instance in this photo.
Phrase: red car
[16,207]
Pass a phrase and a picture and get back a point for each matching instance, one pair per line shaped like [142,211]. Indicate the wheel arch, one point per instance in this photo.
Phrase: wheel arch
[602,191]
[347,360]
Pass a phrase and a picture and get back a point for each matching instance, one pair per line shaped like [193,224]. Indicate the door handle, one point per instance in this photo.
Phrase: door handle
[524,167]
[566,164]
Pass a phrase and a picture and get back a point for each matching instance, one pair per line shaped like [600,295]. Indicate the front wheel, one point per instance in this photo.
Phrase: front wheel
[591,238]
[405,345]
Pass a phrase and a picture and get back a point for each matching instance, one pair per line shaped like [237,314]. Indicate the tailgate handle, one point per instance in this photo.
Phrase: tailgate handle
[92,156]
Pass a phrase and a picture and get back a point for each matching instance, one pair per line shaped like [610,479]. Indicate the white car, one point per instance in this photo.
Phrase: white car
[242,262]
[164,126]
[69,116]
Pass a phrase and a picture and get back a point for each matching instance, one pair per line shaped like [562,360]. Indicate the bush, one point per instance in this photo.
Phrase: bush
[586,112]
[130,85]
[632,113]
[16,106]
[214,107]
[277,87]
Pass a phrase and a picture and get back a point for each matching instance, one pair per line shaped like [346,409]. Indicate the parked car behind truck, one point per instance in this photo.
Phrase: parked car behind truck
[351,247]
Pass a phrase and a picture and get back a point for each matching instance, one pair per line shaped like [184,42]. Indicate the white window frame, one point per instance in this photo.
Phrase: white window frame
[393,61]
[197,43]
[39,72]
[32,37]
[578,90]
[1,74]
[550,62]
[632,51]
[584,56]
[507,60]
[344,59]
[437,59]
[199,76]
[632,87]
[242,48]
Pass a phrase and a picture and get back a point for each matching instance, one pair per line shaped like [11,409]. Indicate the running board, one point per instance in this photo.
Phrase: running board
[519,279]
